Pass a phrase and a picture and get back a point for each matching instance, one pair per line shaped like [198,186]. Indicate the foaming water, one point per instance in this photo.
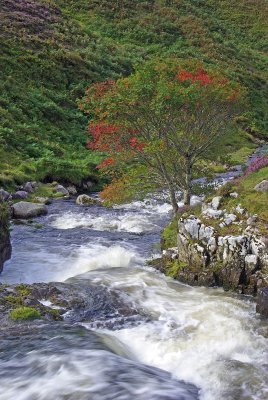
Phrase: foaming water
[126,223]
[203,336]
[200,335]
[76,365]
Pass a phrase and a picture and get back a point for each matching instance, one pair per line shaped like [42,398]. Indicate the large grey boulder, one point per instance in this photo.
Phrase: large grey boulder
[84,199]
[262,186]
[25,209]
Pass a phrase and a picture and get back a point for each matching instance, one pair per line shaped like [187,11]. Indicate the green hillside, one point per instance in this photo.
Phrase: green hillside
[51,50]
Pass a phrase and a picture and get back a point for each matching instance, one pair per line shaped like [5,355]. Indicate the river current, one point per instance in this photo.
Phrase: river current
[203,336]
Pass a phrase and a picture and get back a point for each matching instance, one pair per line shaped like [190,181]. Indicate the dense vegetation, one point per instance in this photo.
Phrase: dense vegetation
[51,50]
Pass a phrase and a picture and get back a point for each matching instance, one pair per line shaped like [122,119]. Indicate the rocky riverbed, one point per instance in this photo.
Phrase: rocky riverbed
[111,327]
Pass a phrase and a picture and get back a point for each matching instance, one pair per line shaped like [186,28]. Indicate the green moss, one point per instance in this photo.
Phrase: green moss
[14,300]
[23,290]
[169,234]
[173,267]
[24,313]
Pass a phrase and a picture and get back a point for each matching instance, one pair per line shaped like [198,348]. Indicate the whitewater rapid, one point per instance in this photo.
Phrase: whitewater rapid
[203,336]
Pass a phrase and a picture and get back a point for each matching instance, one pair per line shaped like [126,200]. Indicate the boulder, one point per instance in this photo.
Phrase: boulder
[84,199]
[61,189]
[262,186]
[212,213]
[234,195]
[25,210]
[262,302]
[87,184]
[20,194]
[71,190]
[4,196]
[229,219]
[215,203]
[28,187]
[42,200]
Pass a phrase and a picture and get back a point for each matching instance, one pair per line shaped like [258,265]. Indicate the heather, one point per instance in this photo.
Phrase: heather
[256,164]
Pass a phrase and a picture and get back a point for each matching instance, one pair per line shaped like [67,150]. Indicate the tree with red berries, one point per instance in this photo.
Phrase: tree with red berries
[157,124]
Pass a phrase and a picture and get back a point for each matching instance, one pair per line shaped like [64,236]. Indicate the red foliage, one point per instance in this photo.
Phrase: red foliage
[200,76]
[106,162]
[114,140]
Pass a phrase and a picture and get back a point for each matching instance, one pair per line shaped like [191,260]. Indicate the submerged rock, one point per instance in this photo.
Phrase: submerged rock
[72,301]
[25,210]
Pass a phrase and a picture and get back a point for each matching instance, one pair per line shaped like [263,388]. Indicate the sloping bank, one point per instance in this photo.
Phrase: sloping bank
[224,242]
[5,245]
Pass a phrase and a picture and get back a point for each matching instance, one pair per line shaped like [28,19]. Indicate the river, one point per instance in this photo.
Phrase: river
[203,336]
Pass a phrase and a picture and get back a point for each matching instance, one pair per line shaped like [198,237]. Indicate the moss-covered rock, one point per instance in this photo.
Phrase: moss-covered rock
[24,313]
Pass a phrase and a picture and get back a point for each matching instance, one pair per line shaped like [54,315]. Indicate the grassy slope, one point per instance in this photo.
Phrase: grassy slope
[50,50]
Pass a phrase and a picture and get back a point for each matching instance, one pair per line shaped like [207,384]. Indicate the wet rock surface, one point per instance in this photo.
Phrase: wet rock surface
[74,363]
[72,302]
[262,302]
[5,247]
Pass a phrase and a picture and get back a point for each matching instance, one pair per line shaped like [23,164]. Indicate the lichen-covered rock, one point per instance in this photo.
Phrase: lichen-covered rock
[233,261]
[215,203]
[42,200]
[25,210]
[262,186]
[84,199]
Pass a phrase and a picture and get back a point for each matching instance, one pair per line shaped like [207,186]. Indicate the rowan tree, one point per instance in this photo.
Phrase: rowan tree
[161,120]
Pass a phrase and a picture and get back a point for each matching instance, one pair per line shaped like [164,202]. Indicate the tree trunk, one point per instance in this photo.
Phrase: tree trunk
[188,181]
[173,199]
[186,197]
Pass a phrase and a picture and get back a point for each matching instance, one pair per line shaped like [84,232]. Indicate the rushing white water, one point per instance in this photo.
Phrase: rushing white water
[203,336]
